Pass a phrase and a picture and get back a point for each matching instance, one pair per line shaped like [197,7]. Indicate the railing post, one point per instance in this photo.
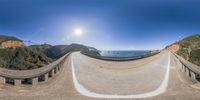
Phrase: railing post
[187,71]
[193,76]
[46,76]
[35,81]
[57,68]
[17,82]
[52,72]
[2,80]
[182,66]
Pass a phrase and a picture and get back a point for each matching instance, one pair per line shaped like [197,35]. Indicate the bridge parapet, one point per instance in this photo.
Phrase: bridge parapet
[119,58]
[18,77]
[192,70]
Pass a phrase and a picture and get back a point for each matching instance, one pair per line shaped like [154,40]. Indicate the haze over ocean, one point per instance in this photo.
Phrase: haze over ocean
[123,53]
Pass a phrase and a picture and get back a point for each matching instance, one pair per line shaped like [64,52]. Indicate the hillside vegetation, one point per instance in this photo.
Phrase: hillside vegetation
[22,58]
[190,49]
[7,38]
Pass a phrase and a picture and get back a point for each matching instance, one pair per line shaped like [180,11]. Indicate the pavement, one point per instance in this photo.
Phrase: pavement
[85,78]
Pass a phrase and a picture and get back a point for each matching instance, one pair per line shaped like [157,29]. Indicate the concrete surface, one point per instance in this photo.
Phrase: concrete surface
[61,87]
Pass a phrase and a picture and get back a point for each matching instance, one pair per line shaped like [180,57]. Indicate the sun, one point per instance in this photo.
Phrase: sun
[78,31]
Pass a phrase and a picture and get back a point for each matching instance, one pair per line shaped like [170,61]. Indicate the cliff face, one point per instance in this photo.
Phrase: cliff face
[11,43]
[173,48]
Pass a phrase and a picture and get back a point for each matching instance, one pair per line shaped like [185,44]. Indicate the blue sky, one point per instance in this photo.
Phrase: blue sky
[106,24]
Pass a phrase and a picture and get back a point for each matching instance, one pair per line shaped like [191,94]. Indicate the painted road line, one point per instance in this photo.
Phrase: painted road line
[83,91]
[136,66]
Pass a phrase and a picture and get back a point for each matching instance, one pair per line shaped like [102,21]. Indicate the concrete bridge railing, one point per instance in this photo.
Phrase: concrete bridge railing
[18,77]
[119,58]
[192,70]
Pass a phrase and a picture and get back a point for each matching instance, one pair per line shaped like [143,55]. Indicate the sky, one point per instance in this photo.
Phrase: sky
[105,24]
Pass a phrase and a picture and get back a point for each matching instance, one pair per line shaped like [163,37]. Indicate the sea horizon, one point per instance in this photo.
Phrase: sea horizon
[123,53]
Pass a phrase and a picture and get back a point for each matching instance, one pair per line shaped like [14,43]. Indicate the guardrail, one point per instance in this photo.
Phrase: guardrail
[18,77]
[119,58]
[192,70]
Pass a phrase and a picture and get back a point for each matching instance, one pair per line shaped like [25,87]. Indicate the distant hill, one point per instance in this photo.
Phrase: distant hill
[57,51]
[190,48]
[41,47]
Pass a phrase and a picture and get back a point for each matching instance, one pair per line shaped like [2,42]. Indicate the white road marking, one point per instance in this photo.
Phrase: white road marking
[84,91]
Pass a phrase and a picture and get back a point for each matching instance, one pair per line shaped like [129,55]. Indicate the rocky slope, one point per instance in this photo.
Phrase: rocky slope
[173,48]
[9,41]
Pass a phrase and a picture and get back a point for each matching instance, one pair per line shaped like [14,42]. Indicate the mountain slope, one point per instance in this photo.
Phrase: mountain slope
[41,47]
[58,51]
[190,48]
[22,58]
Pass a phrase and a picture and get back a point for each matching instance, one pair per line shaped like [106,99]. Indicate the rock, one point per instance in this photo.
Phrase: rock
[11,43]
[173,48]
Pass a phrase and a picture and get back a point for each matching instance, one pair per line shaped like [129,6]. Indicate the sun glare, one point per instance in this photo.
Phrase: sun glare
[78,31]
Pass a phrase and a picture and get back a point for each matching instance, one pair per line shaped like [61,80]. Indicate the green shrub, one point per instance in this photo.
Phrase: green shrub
[190,49]
[195,57]
[22,58]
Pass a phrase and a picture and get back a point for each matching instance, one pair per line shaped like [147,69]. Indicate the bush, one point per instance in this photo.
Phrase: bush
[22,58]
[190,49]
[195,57]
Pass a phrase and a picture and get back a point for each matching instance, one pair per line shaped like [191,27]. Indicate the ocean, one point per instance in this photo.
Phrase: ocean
[116,53]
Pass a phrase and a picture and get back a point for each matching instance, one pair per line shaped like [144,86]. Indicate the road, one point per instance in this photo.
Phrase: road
[85,78]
